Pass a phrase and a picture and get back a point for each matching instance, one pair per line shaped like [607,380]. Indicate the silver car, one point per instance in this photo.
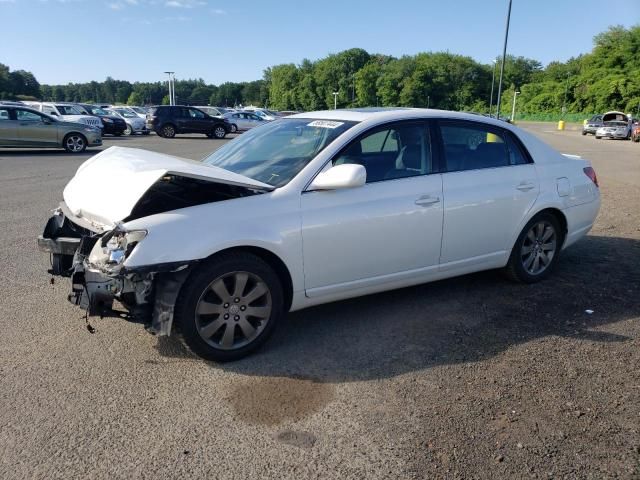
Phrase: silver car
[24,127]
[135,123]
[242,121]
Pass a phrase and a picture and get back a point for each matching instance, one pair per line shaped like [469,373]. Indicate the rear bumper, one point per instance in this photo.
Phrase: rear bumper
[580,220]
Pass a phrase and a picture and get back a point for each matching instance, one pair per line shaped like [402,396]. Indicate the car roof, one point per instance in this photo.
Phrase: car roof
[394,113]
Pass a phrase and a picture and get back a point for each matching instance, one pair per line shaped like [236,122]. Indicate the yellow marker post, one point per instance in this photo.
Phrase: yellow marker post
[561,125]
[492,138]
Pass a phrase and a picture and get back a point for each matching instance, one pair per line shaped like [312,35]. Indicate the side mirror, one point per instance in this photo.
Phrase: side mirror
[348,175]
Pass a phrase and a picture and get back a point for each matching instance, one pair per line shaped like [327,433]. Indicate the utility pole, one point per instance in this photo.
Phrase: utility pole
[493,79]
[504,56]
[564,102]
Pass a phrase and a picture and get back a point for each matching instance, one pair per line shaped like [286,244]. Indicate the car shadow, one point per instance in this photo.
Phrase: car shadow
[464,319]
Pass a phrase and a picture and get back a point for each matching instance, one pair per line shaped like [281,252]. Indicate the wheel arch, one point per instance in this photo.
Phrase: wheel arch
[274,261]
[73,132]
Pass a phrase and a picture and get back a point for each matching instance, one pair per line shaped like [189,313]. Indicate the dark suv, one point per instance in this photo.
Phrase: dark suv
[166,121]
[110,123]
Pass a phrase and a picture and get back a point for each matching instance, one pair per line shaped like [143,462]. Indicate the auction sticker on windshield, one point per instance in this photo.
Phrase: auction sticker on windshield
[325,124]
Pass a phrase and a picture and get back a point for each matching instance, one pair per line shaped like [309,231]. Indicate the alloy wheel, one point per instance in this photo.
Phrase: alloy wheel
[75,143]
[538,247]
[233,310]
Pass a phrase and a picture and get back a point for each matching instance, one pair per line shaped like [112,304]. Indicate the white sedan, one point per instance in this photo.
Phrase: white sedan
[309,209]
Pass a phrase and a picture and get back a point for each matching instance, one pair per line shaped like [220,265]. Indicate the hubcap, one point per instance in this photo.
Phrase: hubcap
[538,248]
[168,131]
[220,132]
[233,310]
[75,143]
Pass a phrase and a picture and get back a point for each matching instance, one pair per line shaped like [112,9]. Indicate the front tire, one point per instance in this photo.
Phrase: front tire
[128,131]
[229,306]
[74,143]
[537,249]
[219,132]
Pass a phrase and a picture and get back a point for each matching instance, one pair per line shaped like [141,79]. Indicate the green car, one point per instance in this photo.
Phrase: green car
[24,127]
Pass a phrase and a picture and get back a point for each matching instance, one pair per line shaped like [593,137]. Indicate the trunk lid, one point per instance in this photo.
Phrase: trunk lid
[106,188]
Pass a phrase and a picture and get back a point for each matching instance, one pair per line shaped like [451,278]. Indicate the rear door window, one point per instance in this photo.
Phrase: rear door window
[473,146]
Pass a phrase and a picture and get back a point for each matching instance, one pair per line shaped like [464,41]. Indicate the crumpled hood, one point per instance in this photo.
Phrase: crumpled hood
[107,186]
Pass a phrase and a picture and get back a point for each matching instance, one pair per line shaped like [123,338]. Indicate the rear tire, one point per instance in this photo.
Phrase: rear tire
[168,131]
[537,249]
[229,306]
[234,128]
[584,133]
[598,138]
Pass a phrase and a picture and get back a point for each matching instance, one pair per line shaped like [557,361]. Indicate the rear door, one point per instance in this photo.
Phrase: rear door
[8,128]
[489,185]
[35,129]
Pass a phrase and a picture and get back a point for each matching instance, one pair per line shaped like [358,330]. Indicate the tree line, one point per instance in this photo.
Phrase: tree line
[607,78]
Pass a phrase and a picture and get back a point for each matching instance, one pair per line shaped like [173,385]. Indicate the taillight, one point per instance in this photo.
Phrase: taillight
[591,173]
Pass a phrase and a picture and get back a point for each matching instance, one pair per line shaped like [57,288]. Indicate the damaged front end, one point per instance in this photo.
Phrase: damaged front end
[94,260]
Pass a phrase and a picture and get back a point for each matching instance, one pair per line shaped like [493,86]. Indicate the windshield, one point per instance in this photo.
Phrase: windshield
[138,109]
[276,152]
[97,111]
[69,110]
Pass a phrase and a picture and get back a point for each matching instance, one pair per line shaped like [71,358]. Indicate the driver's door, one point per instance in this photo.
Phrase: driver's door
[35,129]
[385,232]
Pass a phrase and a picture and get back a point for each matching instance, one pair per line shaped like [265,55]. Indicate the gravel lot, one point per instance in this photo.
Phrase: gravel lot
[473,377]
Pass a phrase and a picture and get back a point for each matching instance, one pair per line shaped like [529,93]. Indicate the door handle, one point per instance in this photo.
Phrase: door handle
[427,200]
[525,187]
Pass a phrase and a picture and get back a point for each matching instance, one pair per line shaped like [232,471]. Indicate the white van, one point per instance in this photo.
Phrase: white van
[67,112]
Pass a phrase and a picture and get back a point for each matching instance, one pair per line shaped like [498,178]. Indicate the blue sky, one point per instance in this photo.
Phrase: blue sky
[64,41]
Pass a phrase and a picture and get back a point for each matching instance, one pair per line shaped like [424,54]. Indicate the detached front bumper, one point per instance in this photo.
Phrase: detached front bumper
[148,293]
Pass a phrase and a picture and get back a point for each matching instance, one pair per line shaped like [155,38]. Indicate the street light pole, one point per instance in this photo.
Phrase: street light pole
[493,79]
[171,94]
[513,108]
[504,55]
[335,100]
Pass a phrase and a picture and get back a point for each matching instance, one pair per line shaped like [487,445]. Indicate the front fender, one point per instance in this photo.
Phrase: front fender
[268,221]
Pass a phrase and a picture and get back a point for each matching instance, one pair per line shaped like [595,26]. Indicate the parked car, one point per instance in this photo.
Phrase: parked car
[243,121]
[263,113]
[135,124]
[167,121]
[21,127]
[111,124]
[66,112]
[592,125]
[310,209]
[614,125]
[212,111]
